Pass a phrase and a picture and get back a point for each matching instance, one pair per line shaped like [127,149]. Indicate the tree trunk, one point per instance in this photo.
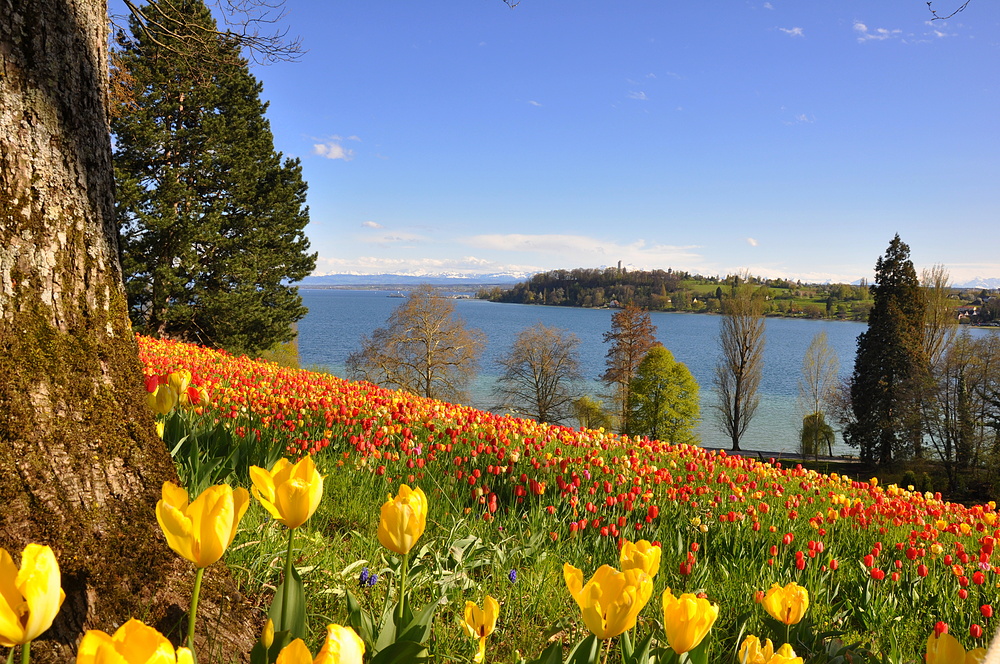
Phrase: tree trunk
[80,463]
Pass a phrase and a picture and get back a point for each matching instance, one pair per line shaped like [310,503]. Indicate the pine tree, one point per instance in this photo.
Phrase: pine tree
[890,362]
[211,217]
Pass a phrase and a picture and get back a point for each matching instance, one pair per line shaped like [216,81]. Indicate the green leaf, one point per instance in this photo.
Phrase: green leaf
[401,652]
[361,621]
[296,614]
[639,654]
[699,655]
[551,655]
[419,628]
[587,651]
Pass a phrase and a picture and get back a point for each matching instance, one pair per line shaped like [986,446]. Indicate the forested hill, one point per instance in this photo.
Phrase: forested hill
[669,290]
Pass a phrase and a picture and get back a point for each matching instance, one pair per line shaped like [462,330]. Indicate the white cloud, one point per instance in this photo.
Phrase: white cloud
[640,95]
[467,265]
[533,102]
[333,150]
[584,250]
[392,237]
[794,32]
[752,242]
[768,5]
[878,34]
[371,224]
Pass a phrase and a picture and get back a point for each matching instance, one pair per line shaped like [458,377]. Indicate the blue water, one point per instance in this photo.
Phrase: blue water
[338,318]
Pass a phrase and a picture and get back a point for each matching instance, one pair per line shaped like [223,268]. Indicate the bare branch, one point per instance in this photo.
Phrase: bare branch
[938,17]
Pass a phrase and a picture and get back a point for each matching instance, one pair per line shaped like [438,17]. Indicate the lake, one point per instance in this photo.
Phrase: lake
[338,318]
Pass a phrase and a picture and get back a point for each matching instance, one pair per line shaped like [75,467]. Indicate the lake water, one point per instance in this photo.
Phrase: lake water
[338,318]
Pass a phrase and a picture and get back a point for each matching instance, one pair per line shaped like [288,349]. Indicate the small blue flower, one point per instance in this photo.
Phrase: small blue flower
[372,580]
[512,576]
[363,579]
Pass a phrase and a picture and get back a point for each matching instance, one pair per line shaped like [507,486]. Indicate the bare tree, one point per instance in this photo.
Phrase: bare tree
[741,360]
[632,334]
[541,374]
[424,349]
[940,321]
[820,367]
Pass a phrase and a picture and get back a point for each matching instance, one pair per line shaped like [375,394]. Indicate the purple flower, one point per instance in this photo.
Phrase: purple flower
[363,579]
[512,576]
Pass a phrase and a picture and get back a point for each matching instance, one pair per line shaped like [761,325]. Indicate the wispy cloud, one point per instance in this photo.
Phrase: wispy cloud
[390,237]
[638,94]
[332,148]
[878,34]
[466,265]
[587,250]
[793,32]
[371,224]
[752,242]
[533,102]
[768,5]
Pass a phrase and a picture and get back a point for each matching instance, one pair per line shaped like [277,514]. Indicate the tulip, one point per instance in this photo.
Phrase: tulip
[403,520]
[133,643]
[640,555]
[944,648]
[687,620]
[480,623]
[295,652]
[787,605]
[342,646]
[179,381]
[290,492]
[785,655]
[752,651]
[201,531]
[161,399]
[30,597]
[611,600]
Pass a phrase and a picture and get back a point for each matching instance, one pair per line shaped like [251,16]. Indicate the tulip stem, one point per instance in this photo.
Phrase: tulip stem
[193,613]
[25,652]
[402,591]
[288,580]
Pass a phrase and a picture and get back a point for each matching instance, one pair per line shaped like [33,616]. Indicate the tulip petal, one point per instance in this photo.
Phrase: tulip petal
[177,529]
[137,642]
[342,646]
[41,584]
[12,604]
[295,652]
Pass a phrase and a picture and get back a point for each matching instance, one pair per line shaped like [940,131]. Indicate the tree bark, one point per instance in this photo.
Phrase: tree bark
[80,463]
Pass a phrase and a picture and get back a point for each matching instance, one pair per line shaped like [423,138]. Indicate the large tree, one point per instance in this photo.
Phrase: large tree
[424,348]
[631,336]
[891,362]
[211,217]
[80,463]
[664,399]
[740,366]
[541,374]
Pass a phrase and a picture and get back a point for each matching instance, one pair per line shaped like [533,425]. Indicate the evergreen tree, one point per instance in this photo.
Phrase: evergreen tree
[890,362]
[210,216]
[664,399]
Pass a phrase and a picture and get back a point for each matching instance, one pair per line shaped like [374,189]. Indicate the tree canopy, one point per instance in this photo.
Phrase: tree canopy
[631,336]
[211,217]
[664,403]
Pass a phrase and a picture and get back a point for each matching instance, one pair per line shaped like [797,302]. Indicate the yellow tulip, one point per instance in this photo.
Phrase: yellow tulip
[295,652]
[785,655]
[179,381]
[944,649]
[162,400]
[787,605]
[611,600]
[480,623]
[201,531]
[342,646]
[133,643]
[640,555]
[752,651]
[290,492]
[687,620]
[975,656]
[30,597]
[403,520]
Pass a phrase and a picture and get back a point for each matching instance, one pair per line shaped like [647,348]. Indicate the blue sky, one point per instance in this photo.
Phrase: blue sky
[790,138]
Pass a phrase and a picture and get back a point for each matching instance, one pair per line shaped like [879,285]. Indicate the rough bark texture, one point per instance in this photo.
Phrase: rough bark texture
[80,463]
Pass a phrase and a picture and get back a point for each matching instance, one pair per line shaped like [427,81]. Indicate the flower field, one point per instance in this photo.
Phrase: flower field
[883,566]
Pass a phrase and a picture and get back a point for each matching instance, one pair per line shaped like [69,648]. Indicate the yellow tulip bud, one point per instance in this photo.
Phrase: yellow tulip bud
[480,623]
[687,620]
[267,635]
[787,605]
[403,520]
[752,651]
[179,381]
[342,646]
[133,643]
[611,600]
[785,655]
[201,531]
[30,597]
[640,555]
[290,492]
